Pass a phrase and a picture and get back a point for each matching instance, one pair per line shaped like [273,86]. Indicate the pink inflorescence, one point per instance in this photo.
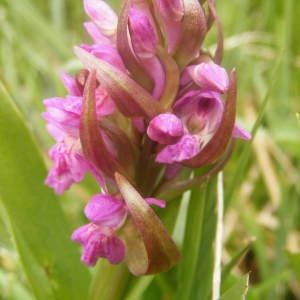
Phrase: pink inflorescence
[148,104]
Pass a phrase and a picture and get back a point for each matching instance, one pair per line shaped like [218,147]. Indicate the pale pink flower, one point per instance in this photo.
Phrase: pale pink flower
[99,242]
[69,165]
[210,76]
[103,16]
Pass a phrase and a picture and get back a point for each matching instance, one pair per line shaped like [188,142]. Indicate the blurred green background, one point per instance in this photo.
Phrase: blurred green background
[262,179]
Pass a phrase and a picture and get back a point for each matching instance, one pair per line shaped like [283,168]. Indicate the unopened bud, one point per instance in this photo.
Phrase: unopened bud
[142,32]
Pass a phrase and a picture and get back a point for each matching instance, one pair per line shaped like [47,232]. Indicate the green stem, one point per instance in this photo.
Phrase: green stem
[109,282]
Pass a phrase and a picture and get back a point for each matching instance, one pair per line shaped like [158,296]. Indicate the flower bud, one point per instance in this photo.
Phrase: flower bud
[165,129]
[210,76]
[102,14]
[143,35]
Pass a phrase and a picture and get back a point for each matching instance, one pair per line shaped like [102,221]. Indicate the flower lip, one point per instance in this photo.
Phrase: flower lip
[98,242]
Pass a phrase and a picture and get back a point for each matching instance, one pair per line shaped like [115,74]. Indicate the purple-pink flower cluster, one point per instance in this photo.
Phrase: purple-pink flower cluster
[148,104]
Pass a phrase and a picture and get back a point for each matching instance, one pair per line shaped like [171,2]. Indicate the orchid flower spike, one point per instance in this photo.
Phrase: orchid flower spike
[146,106]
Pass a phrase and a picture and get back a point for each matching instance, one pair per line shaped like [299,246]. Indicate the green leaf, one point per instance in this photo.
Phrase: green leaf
[33,215]
[238,291]
[294,259]
[196,268]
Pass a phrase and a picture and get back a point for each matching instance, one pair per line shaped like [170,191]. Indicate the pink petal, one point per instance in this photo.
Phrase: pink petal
[98,242]
[239,132]
[96,34]
[157,202]
[186,148]
[210,76]
[106,53]
[103,15]
[165,129]
[143,36]
[115,250]
[70,84]
[105,210]
[67,167]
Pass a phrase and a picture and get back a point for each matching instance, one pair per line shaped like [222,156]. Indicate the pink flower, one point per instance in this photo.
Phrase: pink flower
[98,238]
[70,84]
[210,76]
[102,14]
[165,129]
[201,113]
[64,114]
[69,165]
[99,242]
[106,210]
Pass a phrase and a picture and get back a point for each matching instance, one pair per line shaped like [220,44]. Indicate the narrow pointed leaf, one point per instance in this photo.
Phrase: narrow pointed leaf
[194,30]
[218,143]
[132,63]
[93,145]
[131,99]
[161,250]
[238,291]
[33,215]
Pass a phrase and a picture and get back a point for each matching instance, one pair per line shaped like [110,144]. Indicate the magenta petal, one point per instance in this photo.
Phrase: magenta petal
[239,132]
[143,36]
[96,34]
[104,103]
[70,84]
[81,234]
[186,148]
[172,14]
[63,114]
[105,210]
[68,168]
[210,76]
[165,129]
[106,53]
[157,202]
[115,250]
[98,242]
[103,15]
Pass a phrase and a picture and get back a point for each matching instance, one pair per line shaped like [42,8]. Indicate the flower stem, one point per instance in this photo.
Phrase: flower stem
[110,281]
